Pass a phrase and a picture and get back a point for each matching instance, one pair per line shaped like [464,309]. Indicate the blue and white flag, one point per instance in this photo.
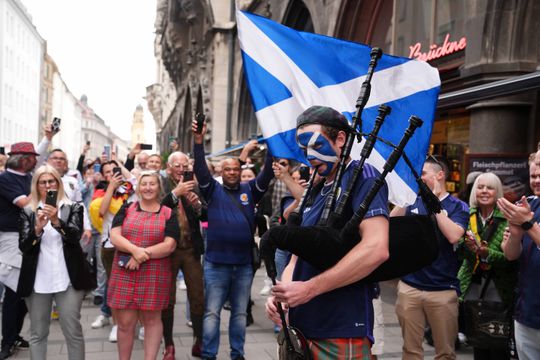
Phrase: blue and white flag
[288,71]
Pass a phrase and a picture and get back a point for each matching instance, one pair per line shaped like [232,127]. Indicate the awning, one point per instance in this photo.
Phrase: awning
[237,149]
[510,86]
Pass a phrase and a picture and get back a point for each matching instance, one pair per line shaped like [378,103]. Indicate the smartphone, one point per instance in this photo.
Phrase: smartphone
[304,173]
[117,170]
[51,197]
[2,150]
[200,122]
[123,259]
[97,168]
[253,137]
[146,146]
[188,175]
[55,126]
[88,143]
[107,151]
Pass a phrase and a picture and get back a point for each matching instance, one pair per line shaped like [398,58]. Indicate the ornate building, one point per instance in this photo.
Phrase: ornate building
[477,45]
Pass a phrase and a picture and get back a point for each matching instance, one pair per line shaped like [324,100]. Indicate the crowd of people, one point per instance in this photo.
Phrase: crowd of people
[123,230]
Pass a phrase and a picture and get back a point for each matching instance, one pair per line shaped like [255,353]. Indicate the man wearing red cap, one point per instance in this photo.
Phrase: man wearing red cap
[14,195]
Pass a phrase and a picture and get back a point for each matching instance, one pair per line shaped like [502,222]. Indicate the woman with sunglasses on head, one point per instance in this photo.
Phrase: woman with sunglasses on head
[144,234]
[53,265]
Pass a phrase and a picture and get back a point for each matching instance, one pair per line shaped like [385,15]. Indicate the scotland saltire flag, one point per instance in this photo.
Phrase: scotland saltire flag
[288,71]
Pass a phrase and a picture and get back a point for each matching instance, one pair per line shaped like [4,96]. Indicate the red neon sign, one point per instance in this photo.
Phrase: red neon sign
[436,51]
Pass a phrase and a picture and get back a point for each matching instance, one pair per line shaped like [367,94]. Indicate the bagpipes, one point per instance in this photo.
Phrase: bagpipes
[413,240]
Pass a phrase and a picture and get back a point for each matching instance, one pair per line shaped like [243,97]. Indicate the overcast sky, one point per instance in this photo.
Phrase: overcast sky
[104,49]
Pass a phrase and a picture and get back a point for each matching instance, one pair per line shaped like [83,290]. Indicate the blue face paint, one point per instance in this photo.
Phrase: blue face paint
[317,147]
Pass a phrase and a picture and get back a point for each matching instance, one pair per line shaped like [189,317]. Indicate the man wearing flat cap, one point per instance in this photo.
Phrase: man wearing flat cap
[332,308]
[14,195]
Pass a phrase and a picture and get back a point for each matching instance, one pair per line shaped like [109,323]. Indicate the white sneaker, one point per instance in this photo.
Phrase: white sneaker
[100,322]
[182,285]
[113,336]
[462,338]
[265,291]
[141,333]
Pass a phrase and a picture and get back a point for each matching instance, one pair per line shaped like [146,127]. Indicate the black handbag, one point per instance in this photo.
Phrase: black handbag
[487,323]
[90,272]
[255,255]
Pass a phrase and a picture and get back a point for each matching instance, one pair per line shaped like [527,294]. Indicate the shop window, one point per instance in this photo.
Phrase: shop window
[450,139]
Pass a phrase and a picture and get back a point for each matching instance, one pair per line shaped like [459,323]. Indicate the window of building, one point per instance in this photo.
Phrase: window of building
[397,26]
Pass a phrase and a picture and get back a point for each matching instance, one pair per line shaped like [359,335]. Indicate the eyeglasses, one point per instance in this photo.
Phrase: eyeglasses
[47,182]
[283,163]
[247,166]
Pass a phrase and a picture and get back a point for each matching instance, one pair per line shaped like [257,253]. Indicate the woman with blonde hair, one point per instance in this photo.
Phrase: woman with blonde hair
[485,270]
[53,263]
[144,234]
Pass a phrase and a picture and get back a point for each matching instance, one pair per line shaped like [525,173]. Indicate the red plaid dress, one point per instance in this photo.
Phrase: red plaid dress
[149,287]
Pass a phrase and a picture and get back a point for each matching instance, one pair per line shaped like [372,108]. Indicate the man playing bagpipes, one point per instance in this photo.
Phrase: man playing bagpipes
[332,308]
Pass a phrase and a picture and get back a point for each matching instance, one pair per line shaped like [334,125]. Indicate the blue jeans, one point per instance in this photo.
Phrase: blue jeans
[221,282]
[527,341]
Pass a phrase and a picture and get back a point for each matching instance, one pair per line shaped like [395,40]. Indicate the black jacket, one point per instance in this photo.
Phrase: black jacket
[71,228]
[192,216]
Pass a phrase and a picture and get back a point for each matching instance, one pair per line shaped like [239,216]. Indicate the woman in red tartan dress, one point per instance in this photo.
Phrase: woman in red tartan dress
[144,234]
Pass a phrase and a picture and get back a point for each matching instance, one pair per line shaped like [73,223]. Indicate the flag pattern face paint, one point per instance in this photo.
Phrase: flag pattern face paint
[318,149]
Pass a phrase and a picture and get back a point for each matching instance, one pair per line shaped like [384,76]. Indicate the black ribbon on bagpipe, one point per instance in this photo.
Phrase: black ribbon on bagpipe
[413,240]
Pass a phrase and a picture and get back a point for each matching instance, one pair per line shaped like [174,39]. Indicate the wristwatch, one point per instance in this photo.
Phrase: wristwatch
[527,225]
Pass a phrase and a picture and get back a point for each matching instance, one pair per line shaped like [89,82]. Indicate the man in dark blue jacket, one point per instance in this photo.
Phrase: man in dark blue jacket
[228,271]
[524,244]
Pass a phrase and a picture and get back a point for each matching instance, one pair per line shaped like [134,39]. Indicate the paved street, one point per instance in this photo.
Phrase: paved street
[260,339]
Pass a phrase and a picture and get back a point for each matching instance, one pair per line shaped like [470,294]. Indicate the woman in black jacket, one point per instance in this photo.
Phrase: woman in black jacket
[53,265]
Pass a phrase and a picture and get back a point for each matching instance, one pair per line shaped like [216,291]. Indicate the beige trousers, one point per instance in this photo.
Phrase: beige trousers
[439,308]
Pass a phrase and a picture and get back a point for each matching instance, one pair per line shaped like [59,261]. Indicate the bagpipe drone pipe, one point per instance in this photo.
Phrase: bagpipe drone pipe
[413,240]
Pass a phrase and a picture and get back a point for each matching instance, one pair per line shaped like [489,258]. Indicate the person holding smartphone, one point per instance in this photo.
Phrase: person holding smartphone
[53,264]
[181,195]
[109,196]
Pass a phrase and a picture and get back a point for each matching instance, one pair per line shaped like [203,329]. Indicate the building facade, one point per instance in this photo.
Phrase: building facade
[21,57]
[99,134]
[473,43]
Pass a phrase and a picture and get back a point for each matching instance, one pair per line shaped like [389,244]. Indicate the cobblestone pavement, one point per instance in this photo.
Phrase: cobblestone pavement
[260,338]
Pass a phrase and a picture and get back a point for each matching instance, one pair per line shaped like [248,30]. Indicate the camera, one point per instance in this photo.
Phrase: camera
[107,151]
[51,197]
[304,173]
[188,175]
[55,126]
[123,259]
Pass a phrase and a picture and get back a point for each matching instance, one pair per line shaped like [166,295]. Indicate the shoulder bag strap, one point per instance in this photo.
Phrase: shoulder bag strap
[487,234]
